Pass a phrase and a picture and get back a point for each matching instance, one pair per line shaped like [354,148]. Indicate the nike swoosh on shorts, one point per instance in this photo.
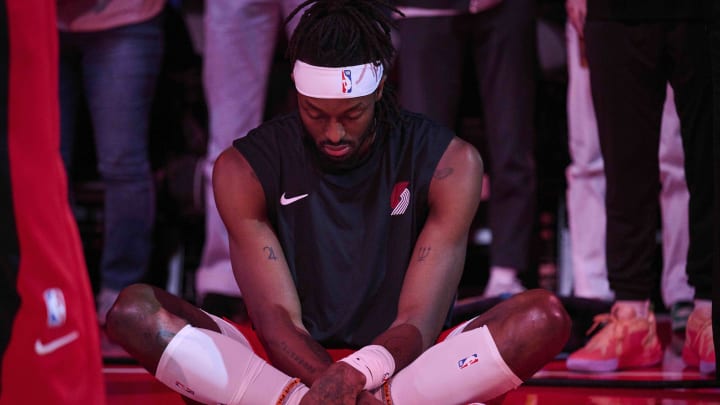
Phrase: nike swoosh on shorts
[46,348]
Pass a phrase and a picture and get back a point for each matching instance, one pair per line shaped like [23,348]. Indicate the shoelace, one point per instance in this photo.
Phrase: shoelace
[600,320]
[608,319]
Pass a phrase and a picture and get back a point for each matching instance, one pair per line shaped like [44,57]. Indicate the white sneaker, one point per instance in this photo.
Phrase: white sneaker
[104,301]
[503,283]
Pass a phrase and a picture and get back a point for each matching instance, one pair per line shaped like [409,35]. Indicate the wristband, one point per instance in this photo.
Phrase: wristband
[375,362]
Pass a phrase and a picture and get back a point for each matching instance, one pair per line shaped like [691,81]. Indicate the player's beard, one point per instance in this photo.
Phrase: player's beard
[360,153]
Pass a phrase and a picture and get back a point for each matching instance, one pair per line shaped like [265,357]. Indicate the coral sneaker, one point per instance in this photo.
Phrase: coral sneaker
[699,350]
[626,341]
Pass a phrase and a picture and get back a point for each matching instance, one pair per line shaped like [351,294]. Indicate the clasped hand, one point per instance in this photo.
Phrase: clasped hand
[339,385]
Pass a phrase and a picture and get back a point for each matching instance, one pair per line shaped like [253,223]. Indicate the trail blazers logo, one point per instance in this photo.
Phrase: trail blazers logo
[400,198]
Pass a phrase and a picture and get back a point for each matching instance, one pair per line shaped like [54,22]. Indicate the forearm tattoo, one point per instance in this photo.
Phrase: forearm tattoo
[424,253]
[296,358]
[270,253]
[443,173]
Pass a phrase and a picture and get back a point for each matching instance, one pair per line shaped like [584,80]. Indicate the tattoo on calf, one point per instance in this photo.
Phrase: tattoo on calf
[270,253]
[443,173]
[424,253]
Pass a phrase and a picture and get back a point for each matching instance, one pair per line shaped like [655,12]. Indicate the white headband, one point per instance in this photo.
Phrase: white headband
[336,82]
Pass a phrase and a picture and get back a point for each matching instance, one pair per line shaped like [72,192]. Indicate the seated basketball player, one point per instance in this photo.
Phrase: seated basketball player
[348,224]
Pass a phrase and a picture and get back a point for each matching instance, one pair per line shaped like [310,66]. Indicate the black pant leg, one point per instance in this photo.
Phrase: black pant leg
[690,78]
[504,54]
[430,67]
[628,89]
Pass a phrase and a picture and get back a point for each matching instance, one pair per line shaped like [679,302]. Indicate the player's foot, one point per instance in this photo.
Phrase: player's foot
[699,350]
[626,341]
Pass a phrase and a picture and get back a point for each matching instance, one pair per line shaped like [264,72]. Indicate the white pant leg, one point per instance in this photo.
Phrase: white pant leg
[674,205]
[240,38]
[585,182]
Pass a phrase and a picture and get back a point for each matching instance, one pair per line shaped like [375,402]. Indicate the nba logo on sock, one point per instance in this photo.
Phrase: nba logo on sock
[346,81]
[467,361]
[55,305]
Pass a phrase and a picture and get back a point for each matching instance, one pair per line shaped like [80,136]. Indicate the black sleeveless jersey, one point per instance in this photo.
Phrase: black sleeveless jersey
[347,236]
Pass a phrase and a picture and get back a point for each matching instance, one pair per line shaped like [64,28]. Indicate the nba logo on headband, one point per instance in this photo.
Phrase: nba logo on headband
[322,81]
[347,81]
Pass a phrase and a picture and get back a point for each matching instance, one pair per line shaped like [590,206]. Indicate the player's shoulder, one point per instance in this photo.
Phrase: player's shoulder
[422,124]
[462,158]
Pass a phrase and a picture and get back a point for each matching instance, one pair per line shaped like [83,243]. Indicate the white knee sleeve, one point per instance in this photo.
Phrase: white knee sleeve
[464,368]
[215,369]
[228,329]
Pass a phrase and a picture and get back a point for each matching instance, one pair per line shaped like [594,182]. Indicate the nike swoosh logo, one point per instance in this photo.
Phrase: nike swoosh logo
[42,349]
[287,201]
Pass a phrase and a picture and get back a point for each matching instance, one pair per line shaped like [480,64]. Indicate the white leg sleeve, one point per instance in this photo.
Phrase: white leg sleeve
[464,368]
[227,329]
[215,369]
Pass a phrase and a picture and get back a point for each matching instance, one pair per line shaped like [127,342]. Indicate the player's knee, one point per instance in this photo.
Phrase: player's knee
[128,310]
[548,316]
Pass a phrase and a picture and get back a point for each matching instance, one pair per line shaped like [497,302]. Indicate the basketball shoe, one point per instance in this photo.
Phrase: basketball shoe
[625,341]
[699,350]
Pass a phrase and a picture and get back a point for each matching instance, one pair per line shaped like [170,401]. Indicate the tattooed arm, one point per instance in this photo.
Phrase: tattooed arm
[262,272]
[437,263]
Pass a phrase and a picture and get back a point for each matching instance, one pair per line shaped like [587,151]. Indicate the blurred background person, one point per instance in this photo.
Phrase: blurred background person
[586,196]
[240,41]
[110,57]
[499,36]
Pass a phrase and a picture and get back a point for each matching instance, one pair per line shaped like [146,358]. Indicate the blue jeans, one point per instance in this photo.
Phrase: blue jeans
[116,71]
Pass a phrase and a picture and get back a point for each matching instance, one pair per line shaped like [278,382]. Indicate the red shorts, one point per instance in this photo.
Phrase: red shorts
[52,355]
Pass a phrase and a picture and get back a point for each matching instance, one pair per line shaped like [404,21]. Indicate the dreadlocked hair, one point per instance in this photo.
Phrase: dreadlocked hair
[337,33]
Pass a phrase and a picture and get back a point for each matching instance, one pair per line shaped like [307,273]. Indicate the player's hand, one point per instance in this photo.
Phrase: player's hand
[576,12]
[340,384]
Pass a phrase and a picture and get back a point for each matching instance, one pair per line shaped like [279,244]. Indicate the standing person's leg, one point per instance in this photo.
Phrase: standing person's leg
[585,182]
[628,90]
[70,86]
[504,55]
[240,38]
[714,51]
[426,86]
[120,69]
[48,335]
[690,78]
[677,294]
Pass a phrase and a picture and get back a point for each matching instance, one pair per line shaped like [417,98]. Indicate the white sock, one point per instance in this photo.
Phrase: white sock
[502,275]
[209,367]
